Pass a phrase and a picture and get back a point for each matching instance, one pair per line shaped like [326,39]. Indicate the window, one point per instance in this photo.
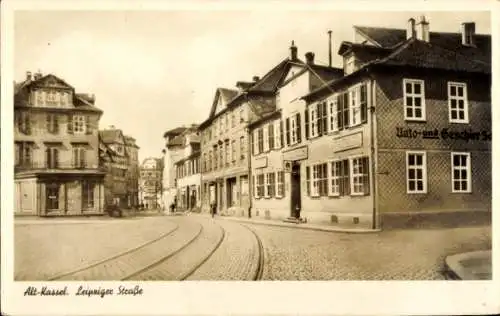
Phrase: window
[457,102]
[88,194]
[332,114]
[312,122]
[39,98]
[226,117]
[233,151]
[52,97]
[280,184]
[242,147]
[354,107]
[342,111]
[24,154]
[270,184]
[360,176]
[293,134]
[79,124]
[461,172]
[209,162]
[270,134]
[277,134]
[260,141]
[204,163]
[24,123]
[344,177]
[52,157]
[322,118]
[260,185]
[227,152]
[334,178]
[414,99]
[79,157]
[216,158]
[349,64]
[242,116]
[221,156]
[266,138]
[319,181]
[232,120]
[416,172]
[52,196]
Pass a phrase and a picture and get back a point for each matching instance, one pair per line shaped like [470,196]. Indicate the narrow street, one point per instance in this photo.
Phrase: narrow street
[197,247]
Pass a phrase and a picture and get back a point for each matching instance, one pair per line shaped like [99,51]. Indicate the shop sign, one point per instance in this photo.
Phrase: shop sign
[444,134]
[296,154]
[348,142]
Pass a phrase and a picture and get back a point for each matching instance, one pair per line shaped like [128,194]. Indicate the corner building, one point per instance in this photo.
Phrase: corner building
[56,171]
[407,140]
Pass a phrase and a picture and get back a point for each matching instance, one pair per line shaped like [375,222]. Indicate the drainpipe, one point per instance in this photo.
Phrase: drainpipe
[250,183]
[373,89]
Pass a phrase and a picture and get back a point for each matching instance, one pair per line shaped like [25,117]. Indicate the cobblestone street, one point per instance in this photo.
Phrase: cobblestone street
[201,248]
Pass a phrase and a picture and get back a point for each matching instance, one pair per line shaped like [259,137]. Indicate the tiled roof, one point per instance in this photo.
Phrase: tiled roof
[174,132]
[421,54]
[227,94]
[177,141]
[271,80]
[388,37]
[109,136]
[261,108]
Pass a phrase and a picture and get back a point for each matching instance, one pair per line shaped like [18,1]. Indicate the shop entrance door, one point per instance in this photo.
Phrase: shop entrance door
[295,204]
[52,197]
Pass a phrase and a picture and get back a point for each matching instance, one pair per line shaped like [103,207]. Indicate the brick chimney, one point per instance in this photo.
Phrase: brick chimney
[256,78]
[38,75]
[293,51]
[410,28]
[310,58]
[422,30]
[28,75]
[468,32]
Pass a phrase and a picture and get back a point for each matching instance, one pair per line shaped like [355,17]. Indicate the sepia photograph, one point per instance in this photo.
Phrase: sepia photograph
[246,145]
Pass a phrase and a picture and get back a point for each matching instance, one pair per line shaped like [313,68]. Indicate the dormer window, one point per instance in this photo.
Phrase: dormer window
[349,64]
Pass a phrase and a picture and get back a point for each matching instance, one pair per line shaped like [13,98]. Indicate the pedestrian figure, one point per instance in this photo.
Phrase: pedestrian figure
[213,208]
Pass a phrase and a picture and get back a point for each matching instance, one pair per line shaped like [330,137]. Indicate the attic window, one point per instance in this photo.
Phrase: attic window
[349,64]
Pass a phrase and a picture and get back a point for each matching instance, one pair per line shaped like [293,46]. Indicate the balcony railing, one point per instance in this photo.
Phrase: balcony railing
[31,165]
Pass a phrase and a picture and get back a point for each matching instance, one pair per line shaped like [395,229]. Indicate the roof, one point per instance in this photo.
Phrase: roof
[265,118]
[80,101]
[193,155]
[227,96]
[421,54]
[109,136]
[176,141]
[389,37]
[174,132]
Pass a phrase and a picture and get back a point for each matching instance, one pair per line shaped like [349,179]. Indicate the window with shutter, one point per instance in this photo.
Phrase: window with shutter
[49,123]
[309,130]
[308,180]
[282,134]
[270,132]
[17,160]
[360,176]
[340,109]
[364,103]
[297,118]
[27,123]
[253,141]
[260,140]
[88,125]
[265,135]
[346,110]
[70,124]
[277,135]
[324,118]
[287,128]
[332,107]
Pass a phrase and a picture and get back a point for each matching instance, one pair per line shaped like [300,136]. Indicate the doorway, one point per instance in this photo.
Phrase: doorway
[295,199]
[52,197]
[232,194]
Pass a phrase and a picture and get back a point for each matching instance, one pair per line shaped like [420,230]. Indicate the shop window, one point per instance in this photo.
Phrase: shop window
[416,172]
[461,172]
[88,194]
[414,99]
[457,102]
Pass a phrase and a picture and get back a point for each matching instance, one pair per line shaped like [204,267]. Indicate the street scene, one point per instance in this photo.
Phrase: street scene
[148,148]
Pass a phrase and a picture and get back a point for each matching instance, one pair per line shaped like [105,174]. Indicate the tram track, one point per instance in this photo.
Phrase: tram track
[114,257]
[259,270]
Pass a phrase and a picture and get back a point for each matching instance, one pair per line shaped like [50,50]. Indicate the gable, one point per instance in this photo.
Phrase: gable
[293,71]
[220,105]
[51,81]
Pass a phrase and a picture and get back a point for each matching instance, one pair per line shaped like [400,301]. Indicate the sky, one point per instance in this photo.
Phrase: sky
[152,71]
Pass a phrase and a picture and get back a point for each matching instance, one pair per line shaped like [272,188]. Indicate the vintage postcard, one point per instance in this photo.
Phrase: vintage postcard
[248,158]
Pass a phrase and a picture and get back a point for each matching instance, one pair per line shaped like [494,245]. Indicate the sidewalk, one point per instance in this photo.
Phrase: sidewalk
[281,223]
[476,265]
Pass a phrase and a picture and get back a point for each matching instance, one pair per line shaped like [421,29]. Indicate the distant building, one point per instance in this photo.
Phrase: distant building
[150,183]
[122,170]
[188,173]
[172,152]
[56,149]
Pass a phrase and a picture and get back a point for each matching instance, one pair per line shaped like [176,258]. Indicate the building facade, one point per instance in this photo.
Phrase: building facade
[279,140]
[188,173]
[406,135]
[172,152]
[56,149]
[122,171]
[150,183]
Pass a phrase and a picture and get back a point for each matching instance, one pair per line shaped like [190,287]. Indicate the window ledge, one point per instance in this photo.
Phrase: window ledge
[415,120]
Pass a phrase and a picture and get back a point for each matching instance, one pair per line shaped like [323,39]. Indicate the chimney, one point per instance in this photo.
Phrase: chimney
[38,75]
[293,51]
[28,75]
[310,58]
[410,29]
[422,30]
[256,78]
[468,31]
[329,48]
